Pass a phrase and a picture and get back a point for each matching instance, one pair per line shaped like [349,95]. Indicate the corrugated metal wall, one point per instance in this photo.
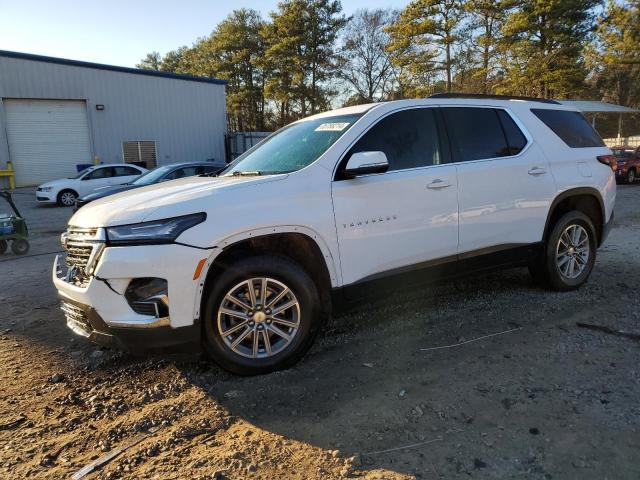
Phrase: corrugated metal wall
[187,119]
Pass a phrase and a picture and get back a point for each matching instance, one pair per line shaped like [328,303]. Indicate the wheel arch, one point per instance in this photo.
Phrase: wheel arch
[297,243]
[587,200]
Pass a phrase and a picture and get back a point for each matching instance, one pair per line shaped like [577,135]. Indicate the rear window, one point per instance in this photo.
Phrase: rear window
[572,128]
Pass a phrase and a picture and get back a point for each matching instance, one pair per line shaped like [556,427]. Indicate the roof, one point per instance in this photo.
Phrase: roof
[113,68]
[590,106]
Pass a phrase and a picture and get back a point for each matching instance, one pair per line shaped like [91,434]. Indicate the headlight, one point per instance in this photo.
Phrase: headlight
[45,189]
[157,231]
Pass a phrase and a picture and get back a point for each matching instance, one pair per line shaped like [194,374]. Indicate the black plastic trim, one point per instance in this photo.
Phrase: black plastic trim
[572,193]
[492,97]
[496,257]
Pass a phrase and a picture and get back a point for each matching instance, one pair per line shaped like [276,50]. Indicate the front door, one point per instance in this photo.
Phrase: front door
[405,218]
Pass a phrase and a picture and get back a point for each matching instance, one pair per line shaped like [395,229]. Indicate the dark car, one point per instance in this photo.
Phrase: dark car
[628,163]
[157,175]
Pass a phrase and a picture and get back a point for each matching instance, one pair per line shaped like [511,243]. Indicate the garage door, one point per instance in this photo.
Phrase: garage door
[47,138]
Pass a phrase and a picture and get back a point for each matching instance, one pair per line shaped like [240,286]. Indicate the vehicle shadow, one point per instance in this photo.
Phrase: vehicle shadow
[366,387]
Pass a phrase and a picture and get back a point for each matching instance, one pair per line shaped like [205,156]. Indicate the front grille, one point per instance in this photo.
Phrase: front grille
[76,319]
[83,246]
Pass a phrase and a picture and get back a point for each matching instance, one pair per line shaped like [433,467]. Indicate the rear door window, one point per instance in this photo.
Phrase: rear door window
[125,171]
[476,133]
[572,128]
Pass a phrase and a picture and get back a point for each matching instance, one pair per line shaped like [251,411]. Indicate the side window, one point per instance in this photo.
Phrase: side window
[125,171]
[408,138]
[475,133]
[181,172]
[571,127]
[106,172]
[515,138]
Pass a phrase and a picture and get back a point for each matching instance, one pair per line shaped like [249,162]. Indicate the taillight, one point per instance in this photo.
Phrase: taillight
[609,160]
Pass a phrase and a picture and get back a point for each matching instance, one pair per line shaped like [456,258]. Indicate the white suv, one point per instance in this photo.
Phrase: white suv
[248,264]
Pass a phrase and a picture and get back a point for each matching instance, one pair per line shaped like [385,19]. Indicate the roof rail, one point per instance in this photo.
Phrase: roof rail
[493,97]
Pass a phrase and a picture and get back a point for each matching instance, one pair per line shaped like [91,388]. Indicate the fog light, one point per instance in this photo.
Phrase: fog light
[148,296]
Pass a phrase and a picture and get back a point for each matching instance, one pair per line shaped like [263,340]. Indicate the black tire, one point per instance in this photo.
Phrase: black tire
[3,246]
[65,198]
[631,176]
[20,246]
[545,270]
[280,269]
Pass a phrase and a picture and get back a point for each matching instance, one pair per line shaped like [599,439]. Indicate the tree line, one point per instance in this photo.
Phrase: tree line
[307,56]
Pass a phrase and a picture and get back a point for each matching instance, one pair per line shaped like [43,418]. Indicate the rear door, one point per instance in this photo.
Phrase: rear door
[504,182]
[405,218]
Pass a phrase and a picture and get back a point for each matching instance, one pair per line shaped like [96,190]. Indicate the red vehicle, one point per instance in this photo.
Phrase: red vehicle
[628,163]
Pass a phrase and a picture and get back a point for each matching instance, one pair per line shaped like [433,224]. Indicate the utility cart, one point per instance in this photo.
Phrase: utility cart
[13,227]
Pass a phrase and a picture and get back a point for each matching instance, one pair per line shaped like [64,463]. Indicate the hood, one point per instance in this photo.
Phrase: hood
[162,200]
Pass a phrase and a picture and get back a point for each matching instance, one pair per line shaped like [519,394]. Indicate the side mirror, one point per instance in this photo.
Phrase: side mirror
[362,163]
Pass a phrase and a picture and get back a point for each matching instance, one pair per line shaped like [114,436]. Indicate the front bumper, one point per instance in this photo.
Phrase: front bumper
[45,197]
[99,311]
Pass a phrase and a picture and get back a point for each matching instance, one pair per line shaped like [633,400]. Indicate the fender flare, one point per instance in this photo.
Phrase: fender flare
[572,192]
[226,242]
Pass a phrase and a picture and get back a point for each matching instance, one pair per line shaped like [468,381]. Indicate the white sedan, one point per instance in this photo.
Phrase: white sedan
[65,191]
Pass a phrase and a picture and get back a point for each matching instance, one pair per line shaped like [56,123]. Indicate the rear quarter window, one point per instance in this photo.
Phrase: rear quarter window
[572,128]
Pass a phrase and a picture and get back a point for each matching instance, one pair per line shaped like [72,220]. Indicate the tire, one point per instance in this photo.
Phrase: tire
[631,176]
[279,273]
[20,246]
[3,246]
[561,271]
[67,198]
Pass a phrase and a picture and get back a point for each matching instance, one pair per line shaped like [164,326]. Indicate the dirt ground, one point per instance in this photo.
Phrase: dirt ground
[551,400]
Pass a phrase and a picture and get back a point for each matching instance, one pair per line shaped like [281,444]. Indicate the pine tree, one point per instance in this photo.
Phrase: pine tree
[543,45]
[422,42]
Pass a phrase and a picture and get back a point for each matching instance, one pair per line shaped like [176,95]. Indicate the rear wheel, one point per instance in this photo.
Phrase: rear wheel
[67,198]
[3,246]
[261,315]
[569,255]
[20,246]
[631,176]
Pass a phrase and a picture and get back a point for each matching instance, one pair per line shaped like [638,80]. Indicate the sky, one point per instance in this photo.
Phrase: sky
[119,32]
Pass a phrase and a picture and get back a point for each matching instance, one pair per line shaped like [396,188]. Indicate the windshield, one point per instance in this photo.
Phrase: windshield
[292,147]
[152,176]
[86,170]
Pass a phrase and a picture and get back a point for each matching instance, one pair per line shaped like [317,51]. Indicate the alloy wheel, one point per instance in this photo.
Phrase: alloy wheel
[259,317]
[572,251]
[67,199]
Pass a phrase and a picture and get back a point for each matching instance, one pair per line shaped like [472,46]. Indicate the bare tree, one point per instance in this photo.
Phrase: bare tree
[364,63]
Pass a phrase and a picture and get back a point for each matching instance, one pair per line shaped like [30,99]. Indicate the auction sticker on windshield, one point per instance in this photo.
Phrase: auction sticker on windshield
[332,127]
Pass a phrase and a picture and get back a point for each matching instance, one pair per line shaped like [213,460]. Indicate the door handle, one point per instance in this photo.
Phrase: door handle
[437,184]
[537,171]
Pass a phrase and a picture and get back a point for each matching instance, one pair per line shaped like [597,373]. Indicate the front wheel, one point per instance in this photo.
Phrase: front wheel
[569,253]
[67,198]
[631,176]
[261,315]
[3,246]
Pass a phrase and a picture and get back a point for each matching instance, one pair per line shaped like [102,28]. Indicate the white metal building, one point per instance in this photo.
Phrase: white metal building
[57,113]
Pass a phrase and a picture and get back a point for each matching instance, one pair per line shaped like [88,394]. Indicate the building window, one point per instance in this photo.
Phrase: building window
[140,152]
